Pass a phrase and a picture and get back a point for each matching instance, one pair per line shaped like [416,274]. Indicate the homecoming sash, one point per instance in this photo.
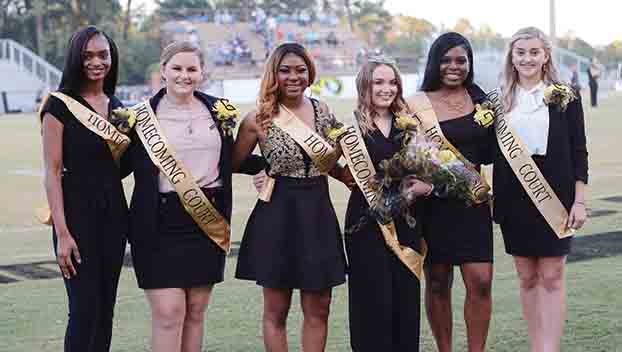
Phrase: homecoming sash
[117,142]
[529,175]
[162,154]
[362,168]
[323,155]
[422,107]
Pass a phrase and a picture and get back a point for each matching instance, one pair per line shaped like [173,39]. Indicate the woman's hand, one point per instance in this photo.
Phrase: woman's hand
[66,251]
[577,216]
[259,180]
[413,187]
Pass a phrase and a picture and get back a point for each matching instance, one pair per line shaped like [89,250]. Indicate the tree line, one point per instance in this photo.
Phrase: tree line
[45,26]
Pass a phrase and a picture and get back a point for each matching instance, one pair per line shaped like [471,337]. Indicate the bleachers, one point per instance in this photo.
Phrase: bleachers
[334,59]
[25,76]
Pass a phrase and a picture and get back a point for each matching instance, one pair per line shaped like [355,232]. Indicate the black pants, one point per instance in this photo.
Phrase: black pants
[594,93]
[98,226]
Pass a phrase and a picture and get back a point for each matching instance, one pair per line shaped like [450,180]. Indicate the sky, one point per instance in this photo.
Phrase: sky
[599,22]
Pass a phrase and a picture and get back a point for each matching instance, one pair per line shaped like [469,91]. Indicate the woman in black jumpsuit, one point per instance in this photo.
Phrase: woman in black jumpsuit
[85,194]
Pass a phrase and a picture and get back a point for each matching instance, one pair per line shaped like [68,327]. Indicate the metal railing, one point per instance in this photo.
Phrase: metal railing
[29,62]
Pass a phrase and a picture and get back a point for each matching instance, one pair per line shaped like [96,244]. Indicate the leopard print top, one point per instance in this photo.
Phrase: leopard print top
[285,157]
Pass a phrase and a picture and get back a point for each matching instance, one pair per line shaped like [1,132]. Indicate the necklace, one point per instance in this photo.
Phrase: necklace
[184,110]
[455,103]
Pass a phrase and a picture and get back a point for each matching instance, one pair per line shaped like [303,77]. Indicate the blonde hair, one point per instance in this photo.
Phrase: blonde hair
[268,100]
[364,83]
[510,75]
[175,48]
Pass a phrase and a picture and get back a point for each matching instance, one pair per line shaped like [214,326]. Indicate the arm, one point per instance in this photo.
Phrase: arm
[578,152]
[246,141]
[126,165]
[53,164]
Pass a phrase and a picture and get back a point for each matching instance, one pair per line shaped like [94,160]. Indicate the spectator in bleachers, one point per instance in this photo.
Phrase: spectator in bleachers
[331,39]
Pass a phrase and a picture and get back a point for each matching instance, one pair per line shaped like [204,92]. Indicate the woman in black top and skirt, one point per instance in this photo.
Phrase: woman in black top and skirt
[457,234]
[84,191]
[293,241]
[554,137]
[175,262]
[384,295]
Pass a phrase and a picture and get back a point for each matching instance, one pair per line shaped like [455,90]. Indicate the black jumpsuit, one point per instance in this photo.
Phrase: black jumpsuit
[96,216]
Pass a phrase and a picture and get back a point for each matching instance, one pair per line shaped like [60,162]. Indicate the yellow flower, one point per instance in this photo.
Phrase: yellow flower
[558,94]
[483,116]
[225,111]
[446,156]
[404,122]
[335,133]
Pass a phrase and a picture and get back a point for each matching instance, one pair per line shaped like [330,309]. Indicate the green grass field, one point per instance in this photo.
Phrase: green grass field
[33,312]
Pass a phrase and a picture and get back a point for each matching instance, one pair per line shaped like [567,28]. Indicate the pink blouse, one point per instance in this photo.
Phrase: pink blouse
[194,136]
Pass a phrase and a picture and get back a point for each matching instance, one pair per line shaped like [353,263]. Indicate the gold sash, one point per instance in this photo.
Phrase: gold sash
[195,202]
[362,168]
[422,107]
[530,177]
[324,156]
[117,142]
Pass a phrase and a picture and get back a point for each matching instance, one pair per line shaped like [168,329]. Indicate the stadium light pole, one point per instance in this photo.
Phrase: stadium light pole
[552,33]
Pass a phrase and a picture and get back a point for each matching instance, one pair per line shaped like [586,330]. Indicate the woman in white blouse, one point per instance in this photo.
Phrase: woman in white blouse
[554,137]
[175,262]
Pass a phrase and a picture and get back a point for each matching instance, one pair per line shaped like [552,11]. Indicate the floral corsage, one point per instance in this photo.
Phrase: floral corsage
[335,130]
[227,114]
[484,114]
[123,119]
[560,95]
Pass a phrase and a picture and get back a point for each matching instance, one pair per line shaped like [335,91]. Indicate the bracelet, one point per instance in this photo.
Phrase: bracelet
[582,203]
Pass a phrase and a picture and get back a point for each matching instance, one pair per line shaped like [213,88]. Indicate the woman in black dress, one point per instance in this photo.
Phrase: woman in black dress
[384,295]
[554,137]
[83,186]
[175,262]
[457,234]
[292,241]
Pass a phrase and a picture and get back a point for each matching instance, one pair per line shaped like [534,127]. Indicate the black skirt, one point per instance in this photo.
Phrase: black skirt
[457,234]
[293,241]
[526,233]
[181,255]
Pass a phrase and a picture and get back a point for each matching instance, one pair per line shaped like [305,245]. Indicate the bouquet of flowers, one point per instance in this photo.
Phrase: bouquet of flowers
[422,160]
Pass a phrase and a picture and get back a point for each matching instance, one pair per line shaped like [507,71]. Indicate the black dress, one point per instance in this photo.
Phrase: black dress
[383,293]
[456,233]
[293,241]
[96,216]
[525,232]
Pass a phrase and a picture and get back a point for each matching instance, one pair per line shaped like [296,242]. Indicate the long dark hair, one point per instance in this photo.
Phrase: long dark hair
[442,44]
[73,74]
